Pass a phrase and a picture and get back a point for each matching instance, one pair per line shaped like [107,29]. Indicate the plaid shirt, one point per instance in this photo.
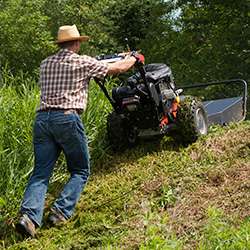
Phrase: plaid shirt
[64,80]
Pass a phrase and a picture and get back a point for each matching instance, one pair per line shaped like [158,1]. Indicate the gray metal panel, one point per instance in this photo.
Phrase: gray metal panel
[224,111]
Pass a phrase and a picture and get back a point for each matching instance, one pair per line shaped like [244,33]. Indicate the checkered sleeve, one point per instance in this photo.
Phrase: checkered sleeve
[96,69]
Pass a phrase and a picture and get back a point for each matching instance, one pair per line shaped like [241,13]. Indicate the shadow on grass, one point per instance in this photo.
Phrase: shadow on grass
[106,157]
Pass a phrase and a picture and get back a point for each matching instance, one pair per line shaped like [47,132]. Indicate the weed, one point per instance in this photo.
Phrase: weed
[158,233]
[220,233]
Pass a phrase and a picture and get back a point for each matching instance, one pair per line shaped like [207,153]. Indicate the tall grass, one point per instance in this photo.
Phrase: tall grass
[17,102]
[94,120]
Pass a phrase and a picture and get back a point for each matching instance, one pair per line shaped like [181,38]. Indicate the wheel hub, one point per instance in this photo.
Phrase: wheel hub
[200,121]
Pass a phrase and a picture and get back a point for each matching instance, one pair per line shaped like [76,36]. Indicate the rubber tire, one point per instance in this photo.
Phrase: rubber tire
[191,119]
[121,134]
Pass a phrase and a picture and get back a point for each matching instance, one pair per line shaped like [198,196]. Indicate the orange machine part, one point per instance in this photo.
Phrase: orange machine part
[174,110]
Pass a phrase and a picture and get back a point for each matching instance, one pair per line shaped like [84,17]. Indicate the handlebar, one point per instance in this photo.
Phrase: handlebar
[113,57]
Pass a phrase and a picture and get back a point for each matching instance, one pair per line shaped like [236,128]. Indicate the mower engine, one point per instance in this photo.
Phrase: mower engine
[136,94]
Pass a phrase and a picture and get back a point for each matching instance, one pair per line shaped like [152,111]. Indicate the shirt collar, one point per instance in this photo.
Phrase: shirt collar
[67,51]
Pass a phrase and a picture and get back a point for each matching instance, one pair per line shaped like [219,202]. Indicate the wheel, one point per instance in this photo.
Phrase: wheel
[191,119]
[121,133]
[130,132]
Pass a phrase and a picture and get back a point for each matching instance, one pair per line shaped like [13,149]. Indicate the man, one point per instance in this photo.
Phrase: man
[64,82]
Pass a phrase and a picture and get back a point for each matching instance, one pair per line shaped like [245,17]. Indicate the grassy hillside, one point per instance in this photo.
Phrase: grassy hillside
[161,195]
[156,196]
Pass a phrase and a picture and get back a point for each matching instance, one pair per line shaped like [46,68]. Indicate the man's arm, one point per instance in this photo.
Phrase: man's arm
[121,66]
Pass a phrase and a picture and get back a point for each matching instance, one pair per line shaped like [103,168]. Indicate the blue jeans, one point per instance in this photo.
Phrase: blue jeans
[55,132]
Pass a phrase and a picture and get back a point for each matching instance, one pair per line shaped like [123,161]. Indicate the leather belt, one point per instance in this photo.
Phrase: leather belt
[66,111]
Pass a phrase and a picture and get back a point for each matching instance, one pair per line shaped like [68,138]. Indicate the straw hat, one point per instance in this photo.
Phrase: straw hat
[69,33]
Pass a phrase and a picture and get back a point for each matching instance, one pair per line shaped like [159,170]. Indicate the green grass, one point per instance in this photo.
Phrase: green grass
[156,196]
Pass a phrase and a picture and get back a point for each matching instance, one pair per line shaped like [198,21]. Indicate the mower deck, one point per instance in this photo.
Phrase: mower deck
[222,112]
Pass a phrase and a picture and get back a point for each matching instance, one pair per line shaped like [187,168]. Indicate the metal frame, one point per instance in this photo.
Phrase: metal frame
[224,82]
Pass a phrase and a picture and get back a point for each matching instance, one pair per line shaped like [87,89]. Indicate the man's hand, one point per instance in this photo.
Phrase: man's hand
[140,59]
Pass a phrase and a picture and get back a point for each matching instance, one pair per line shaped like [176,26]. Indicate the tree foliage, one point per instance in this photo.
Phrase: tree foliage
[206,41]
[200,40]
[131,19]
[24,37]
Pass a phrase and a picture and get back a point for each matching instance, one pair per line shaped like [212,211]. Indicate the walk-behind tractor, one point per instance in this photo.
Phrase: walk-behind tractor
[150,105]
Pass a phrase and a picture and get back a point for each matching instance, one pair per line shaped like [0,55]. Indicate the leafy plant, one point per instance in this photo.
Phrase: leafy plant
[168,197]
[158,233]
[219,233]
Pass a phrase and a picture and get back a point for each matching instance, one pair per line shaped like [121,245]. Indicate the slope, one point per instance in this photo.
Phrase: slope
[161,196]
